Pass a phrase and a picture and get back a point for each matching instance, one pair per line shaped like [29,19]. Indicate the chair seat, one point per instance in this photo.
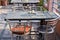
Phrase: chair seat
[48,31]
[21,29]
[42,29]
[52,21]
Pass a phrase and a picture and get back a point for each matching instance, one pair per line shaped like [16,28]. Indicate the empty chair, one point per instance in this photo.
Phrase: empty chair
[52,23]
[19,29]
[49,24]
[2,22]
[48,27]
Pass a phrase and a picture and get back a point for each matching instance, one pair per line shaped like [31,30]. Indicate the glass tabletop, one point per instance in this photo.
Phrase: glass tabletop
[36,15]
[24,1]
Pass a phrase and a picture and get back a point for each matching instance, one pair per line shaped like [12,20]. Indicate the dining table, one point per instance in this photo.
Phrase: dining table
[24,2]
[27,15]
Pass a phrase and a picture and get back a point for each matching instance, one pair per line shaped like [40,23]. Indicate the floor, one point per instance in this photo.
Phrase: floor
[5,34]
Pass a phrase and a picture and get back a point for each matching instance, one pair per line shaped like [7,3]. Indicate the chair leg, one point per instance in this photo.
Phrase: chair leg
[12,36]
[18,37]
[55,33]
[41,36]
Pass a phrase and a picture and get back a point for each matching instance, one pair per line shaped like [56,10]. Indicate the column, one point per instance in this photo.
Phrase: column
[50,5]
[0,2]
[4,2]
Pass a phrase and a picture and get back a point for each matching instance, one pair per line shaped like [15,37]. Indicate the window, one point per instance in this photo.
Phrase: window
[58,5]
[45,2]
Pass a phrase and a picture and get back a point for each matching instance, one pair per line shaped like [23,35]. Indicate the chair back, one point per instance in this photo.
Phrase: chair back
[52,22]
[19,27]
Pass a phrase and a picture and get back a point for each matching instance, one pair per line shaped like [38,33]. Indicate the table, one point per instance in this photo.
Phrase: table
[24,15]
[38,15]
[24,1]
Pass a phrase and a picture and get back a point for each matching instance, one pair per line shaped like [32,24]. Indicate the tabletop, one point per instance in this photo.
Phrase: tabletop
[38,15]
[24,1]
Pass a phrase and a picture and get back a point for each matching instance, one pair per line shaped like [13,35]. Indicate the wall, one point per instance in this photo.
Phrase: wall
[3,2]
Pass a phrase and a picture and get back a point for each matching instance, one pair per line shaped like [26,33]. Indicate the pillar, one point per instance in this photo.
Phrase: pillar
[50,5]
[3,2]
[0,2]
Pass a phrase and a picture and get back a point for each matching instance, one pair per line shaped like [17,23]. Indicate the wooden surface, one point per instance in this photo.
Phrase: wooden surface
[58,28]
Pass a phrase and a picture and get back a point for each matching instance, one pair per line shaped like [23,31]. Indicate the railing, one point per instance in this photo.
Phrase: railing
[36,8]
[56,9]
[23,8]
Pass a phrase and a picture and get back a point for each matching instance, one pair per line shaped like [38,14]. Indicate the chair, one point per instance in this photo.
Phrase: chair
[3,25]
[52,24]
[2,19]
[48,27]
[19,29]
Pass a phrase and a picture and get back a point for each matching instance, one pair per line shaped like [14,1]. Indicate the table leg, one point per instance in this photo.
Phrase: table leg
[10,30]
[43,22]
[18,4]
[30,31]
[46,31]
[19,22]
[41,25]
